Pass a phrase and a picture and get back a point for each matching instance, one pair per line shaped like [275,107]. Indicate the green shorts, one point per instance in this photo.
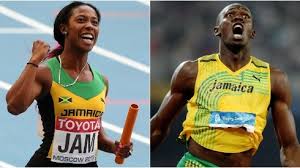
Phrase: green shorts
[188,160]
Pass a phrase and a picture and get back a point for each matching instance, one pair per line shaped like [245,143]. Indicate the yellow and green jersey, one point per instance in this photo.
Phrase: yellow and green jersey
[228,111]
[71,117]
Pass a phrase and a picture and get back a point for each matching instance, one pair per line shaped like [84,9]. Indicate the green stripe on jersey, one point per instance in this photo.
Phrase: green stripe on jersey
[85,90]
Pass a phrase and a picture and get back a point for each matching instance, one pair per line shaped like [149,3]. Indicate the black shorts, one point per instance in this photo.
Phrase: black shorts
[41,160]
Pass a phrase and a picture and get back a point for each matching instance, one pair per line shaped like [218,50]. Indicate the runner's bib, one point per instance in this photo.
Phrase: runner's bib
[75,140]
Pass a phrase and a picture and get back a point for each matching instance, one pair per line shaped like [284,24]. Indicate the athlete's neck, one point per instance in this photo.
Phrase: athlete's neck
[234,59]
[73,60]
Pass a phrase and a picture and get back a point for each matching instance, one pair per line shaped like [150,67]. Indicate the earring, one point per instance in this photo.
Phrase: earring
[64,33]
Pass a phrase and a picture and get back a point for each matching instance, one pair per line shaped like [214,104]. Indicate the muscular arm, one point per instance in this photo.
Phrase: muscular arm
[30,83]
[283,119]
[182,87]
[104,143]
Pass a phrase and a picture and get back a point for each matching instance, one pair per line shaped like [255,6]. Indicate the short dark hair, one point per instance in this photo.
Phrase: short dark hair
[63,17]
[220,15]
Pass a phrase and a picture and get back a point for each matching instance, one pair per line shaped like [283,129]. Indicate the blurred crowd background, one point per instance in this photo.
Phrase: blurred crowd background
[184,31]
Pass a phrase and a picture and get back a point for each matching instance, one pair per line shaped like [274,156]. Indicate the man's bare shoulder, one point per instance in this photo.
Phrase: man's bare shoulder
[277,75]
[187,69]
[184,78]
[279,82]
[276,71]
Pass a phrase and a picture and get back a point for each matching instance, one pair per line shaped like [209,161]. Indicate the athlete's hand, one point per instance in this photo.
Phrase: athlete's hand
[290,156]
[40,51]
[123,150]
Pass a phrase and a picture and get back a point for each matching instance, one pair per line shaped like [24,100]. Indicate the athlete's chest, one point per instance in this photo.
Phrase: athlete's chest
[243,83]
[77,123]
[69,104]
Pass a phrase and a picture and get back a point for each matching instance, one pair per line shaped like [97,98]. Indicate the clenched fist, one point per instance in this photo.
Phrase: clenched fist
[40,51]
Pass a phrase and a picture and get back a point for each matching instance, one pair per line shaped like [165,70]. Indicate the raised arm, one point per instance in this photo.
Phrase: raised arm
[182,89]
[283,119]
[29,85]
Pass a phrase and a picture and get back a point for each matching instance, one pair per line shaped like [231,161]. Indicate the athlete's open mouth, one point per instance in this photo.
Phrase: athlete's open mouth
[238,28]
[87,36]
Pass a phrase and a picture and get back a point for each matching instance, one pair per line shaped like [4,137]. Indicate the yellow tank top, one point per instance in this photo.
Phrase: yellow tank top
[228,110]
[72,117]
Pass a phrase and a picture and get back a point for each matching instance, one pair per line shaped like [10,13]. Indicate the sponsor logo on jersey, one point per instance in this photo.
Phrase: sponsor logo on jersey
[75,140]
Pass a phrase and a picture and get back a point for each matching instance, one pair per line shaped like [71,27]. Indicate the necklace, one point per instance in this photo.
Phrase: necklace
[59,74]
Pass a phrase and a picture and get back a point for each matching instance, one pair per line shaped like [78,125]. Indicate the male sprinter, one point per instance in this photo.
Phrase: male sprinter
[228,95]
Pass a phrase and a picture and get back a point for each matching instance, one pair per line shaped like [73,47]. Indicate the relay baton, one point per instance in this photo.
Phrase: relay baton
[127,130]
